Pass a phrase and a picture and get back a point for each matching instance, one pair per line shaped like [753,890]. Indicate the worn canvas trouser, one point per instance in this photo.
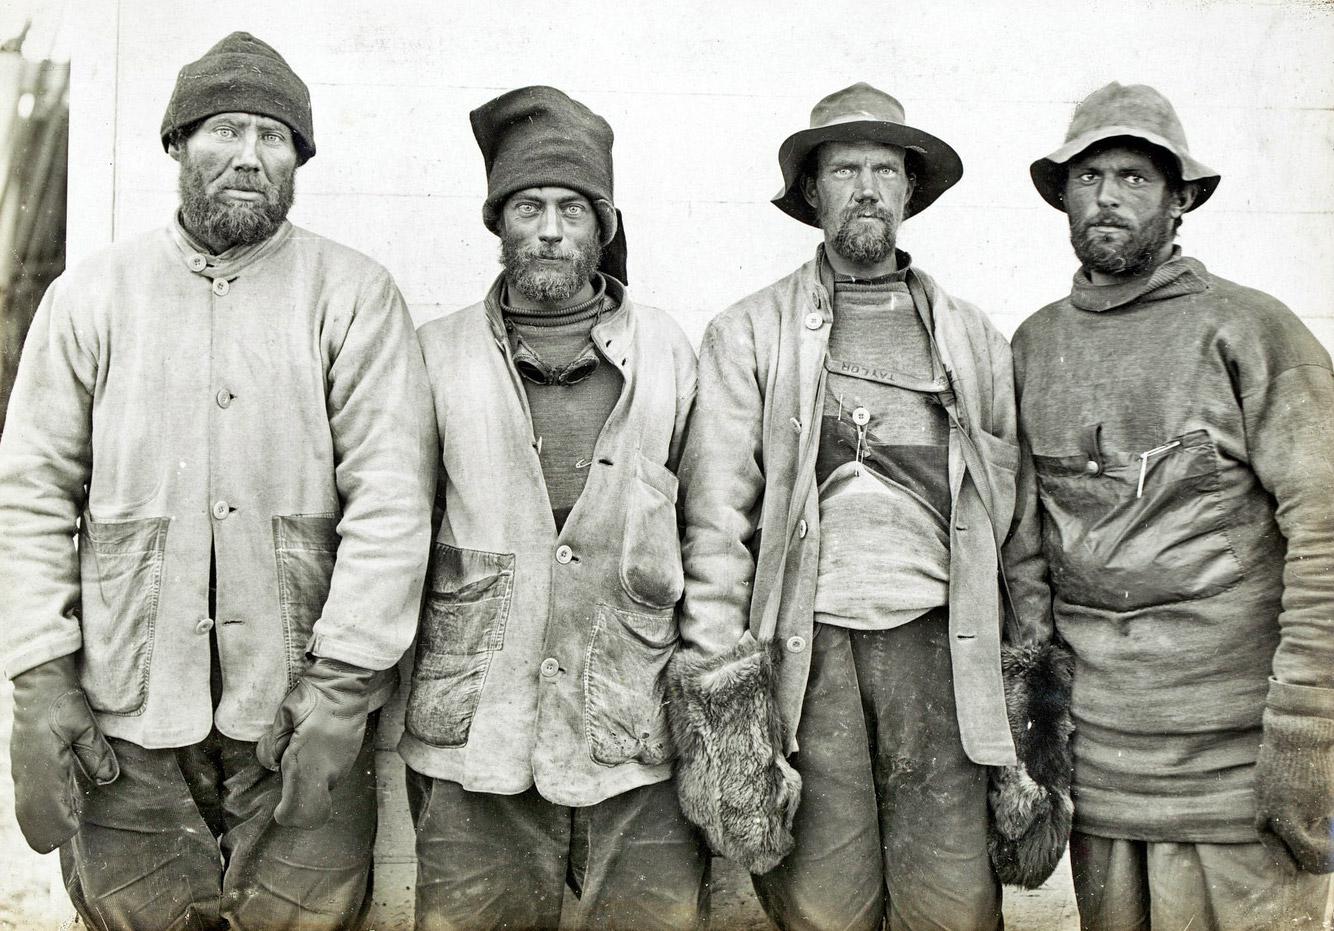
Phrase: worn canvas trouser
[893,815]
[1133,885]
[185,839]
[503,861]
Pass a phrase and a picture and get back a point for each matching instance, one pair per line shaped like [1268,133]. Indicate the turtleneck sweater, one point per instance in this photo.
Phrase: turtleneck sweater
[1182,428]
[567,419]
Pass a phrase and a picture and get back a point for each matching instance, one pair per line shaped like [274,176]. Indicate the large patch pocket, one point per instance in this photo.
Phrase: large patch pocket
[624,691]
[120,567]
[305,547]
[1109,548]
[651,571]
[1001,460]
[463,621]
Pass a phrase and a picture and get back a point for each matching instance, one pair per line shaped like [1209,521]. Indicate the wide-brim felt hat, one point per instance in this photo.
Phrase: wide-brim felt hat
[1132,111]
[862,113]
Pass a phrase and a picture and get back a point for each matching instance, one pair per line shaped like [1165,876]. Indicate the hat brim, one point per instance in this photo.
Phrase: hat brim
[937,165]
[1049,173]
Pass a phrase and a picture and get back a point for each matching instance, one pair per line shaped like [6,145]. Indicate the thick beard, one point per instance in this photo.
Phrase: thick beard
[1135,256]
[544,284]
[864,243]
[233,223]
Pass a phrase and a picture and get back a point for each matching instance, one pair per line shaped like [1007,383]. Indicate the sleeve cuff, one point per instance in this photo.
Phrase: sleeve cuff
[42,651]
[1305,700]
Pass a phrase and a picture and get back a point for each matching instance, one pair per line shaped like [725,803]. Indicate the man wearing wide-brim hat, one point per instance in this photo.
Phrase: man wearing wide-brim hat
[854,491]
[233,416]
[1181,426]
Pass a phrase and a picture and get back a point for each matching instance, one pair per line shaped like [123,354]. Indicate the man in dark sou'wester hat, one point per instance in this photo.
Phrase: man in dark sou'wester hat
[855,504]
[536,740]
[233,416]
[1183,430]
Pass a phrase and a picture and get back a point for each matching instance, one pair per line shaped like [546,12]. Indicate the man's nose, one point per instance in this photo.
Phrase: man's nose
[866,185]
[549,230]
[1109,192]
[247,150]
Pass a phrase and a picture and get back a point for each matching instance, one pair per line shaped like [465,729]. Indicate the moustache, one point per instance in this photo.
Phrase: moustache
[863,211]
[547,252]
[1107,219]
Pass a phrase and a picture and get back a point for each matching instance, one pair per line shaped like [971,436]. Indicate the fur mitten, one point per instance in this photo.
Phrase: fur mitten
[1031,810]
[732,778]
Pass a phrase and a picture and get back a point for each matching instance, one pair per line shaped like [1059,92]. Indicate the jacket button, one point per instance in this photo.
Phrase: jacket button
[220,286]
[196,262]
[204,626]
[550,667]
[796,644]
[814,321]
[564,554]
[801,529]
[861,416]
[221,509]
[224,398]
[1092,468]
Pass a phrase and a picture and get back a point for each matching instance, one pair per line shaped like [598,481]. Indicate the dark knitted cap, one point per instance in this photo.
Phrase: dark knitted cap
[241,74]
[539,137]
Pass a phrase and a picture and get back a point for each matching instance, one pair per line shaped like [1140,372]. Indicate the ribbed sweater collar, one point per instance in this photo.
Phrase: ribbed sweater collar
[564,316]
[1177,276]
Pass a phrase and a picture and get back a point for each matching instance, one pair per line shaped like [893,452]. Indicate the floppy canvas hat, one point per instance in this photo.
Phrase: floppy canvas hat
[862,113]
[1136,111]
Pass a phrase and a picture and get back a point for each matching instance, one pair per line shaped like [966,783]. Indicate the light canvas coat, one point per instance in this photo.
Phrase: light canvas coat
[760,386]
[269,406]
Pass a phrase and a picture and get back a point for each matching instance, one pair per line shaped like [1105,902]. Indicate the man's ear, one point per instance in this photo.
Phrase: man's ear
[174,148]
[1183,199]
[810,191]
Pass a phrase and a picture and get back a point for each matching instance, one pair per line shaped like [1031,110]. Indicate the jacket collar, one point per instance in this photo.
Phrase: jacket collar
[1177,276]
[614,327]
[196,257]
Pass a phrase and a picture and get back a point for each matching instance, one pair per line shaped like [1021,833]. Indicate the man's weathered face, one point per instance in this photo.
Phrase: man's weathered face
[549,243]
[237,178]
[1123,210]
[859,191]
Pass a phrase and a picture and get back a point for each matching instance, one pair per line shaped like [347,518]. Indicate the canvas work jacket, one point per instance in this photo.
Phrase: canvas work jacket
[761,386]
[540,655]
[265,410]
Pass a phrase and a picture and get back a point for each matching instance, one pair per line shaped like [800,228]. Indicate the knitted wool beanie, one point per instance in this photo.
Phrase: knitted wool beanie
[241,74]
[539,137]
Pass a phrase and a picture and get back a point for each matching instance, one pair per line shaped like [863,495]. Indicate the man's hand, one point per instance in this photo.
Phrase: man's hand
[54,728]
[1294,778]
[315,738]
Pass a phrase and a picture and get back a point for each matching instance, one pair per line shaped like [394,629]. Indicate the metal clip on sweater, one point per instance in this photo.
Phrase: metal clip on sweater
[1144,463]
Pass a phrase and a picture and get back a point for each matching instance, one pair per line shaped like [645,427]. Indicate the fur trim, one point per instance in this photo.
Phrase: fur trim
[1031,809]
[732,778]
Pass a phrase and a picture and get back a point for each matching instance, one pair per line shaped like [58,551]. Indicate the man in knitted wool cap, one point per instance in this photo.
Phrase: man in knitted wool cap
[232,414]
[536,743]
[859,512]
[1182,428]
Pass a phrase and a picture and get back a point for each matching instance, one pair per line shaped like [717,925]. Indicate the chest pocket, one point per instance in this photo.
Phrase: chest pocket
[1116,544]
[651,571]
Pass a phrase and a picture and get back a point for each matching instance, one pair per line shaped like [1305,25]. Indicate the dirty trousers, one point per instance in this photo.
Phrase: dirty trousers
[185,840]
[503,861]
[1135,885]
[893,816]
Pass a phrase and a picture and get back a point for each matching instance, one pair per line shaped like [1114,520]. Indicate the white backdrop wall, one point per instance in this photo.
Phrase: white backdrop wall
[700,94]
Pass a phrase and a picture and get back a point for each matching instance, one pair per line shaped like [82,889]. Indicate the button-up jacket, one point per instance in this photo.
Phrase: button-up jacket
[266,409]
[761,384]
[540,655]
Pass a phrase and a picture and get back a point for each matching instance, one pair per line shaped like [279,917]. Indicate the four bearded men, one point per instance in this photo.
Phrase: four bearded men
[827,605]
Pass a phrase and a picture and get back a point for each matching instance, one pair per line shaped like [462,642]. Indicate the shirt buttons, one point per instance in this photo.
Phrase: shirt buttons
[550,667]
[564,554]
[801,529]
[221,286]
[196,262]
[1092,468]
[221,509]
[224,398]
[796,644]
[204,626]
[814,321]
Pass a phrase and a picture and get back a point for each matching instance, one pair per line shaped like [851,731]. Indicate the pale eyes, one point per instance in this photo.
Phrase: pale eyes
[1131,179]
[526,210]
[845,173]
[268,136]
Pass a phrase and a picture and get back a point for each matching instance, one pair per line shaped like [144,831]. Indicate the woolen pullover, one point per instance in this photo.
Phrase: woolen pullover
[566,418]
[1182,428]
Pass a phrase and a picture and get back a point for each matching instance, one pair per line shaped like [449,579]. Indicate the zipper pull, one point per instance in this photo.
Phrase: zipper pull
[1144,463]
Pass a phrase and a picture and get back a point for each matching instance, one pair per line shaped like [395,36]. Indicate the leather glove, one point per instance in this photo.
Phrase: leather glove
[1294,777]
[53,729]
[315,738]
